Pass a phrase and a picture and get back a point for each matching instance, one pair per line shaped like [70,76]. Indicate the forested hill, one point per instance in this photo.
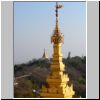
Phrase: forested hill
[34,73]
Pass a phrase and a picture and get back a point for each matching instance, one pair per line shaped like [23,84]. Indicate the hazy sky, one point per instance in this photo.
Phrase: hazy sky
[34,23]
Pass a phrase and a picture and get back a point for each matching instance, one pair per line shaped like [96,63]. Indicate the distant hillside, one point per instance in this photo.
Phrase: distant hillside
[39,69]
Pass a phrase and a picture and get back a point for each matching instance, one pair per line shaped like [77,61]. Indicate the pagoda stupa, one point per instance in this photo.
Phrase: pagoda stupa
[57,81]
[45,56]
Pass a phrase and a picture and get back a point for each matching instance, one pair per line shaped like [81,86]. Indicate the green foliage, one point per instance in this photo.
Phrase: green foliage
[82,80]
[23,69]
[35,86]
[23,89]
[75,67]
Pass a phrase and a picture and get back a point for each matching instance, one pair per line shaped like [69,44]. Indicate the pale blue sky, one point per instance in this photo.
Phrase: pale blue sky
[34,23]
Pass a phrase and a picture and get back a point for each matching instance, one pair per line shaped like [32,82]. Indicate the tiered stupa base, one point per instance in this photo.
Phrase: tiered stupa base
[57,87]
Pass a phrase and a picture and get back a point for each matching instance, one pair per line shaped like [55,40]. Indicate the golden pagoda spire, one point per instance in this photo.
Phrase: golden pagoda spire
[57,81]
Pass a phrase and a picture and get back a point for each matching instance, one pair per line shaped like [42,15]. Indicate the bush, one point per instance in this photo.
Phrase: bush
[23,89]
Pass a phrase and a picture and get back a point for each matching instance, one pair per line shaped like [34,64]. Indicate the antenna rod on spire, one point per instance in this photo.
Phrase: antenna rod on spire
[57,7]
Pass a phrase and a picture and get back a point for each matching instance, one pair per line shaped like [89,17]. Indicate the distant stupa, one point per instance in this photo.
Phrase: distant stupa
[45,56]
[57,81]
[69,55]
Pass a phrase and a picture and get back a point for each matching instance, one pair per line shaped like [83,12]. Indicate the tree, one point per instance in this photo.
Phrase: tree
[23,89]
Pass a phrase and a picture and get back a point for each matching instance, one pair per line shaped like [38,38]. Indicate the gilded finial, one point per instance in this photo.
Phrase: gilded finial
[57,37]
[57,7]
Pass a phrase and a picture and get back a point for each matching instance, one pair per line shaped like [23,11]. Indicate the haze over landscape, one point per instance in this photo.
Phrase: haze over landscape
[34,23]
